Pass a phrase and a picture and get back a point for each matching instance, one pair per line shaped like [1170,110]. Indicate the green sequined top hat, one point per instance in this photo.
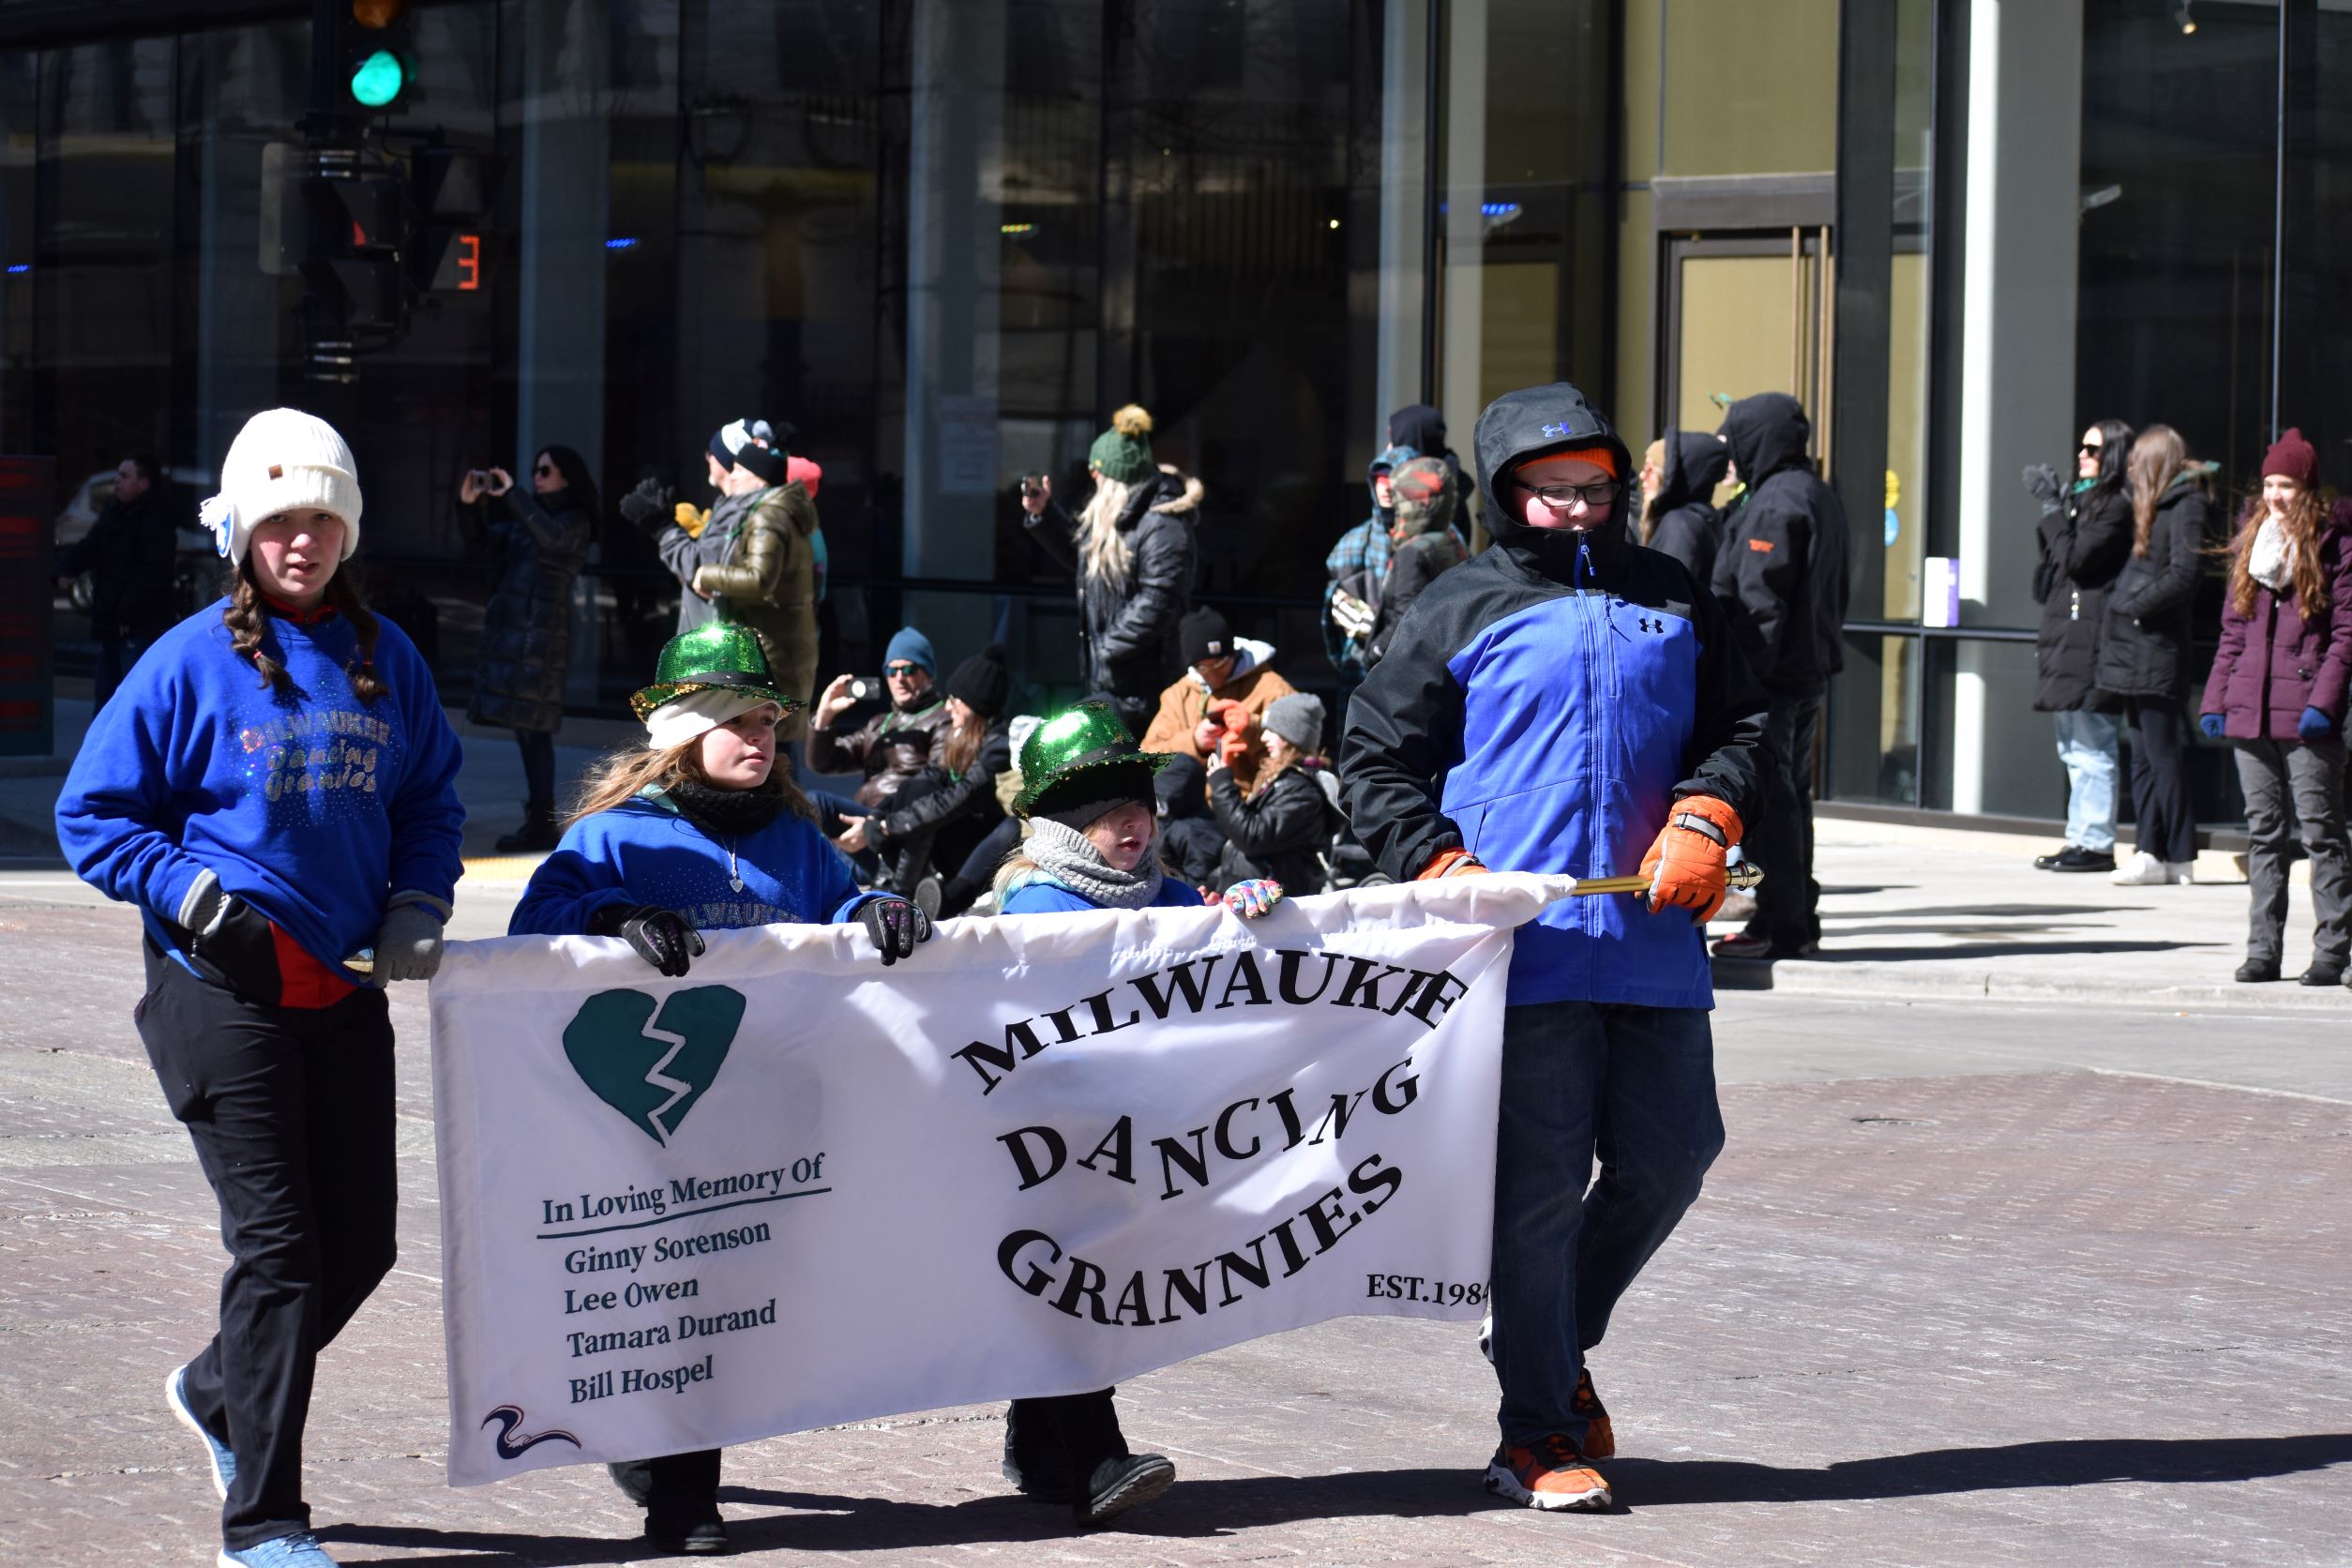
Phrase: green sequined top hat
[1064,756]
[722,654]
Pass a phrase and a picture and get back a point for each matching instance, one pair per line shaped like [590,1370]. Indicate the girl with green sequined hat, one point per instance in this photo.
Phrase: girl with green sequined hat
[696,831]
[1093,844]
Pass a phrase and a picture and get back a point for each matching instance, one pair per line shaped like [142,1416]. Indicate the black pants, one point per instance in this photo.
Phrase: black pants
[538,770]
[1788,900]
[1055,1443]
[290,1112]
[2160,779]
[676,1490]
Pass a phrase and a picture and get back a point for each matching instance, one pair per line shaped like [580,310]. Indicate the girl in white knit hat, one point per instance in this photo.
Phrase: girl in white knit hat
[273,786]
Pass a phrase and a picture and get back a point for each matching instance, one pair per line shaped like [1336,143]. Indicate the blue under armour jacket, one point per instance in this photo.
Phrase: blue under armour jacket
[646,851]
[313,809]
[1544,705]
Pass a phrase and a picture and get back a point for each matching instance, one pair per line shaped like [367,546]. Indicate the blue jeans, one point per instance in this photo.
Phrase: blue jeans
[1634,1086]
[2087,743]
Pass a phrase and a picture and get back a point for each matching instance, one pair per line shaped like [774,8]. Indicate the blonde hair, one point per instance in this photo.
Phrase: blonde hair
[627,774]
[1104,553]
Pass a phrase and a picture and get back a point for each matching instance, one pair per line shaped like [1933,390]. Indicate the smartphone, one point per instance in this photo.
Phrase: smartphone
[866,688]
[1031,489]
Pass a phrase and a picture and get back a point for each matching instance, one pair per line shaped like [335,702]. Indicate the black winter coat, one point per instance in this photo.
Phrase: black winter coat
[2143,641]
[1131,649]
[130,553]
[2084,544]
[1782,573]
[541,543]
[959,807]
[1689,527]
[1280,832]
[1190,840]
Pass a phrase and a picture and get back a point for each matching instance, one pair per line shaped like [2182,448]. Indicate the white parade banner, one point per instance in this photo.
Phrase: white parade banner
[1045,1154]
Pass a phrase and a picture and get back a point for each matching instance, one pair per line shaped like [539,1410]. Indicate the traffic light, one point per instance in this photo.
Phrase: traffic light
[361,205]
[452,192]
[378,61]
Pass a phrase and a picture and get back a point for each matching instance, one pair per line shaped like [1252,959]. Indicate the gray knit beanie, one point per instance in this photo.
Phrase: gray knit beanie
[1297,719]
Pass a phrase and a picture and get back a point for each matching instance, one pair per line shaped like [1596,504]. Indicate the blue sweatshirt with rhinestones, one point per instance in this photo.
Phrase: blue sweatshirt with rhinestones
[314,808]
[645,850]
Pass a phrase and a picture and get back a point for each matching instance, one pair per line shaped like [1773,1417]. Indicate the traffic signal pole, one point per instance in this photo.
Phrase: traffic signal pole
[328,356]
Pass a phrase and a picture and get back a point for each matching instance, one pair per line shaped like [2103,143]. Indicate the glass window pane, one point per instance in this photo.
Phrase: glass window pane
[1750,88]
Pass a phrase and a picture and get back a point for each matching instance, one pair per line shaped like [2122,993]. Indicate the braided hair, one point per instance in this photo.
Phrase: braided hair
[246,616]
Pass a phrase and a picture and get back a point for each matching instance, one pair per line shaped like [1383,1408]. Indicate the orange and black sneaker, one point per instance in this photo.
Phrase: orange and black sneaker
[1549,1474]
[1600,1438]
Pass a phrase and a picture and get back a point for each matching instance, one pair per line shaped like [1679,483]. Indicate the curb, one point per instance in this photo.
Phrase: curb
[1880,982]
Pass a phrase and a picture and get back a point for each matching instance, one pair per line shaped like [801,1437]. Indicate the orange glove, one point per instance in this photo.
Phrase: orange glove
[1685,866]
[1232,716]
[1234,747]
[1450,863]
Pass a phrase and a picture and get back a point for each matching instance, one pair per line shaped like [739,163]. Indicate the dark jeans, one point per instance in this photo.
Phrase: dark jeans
[1058,1441]
[979,867]
[1633,1087]
[2160,779]
[2287,782]
[538,770]
[1788,900]
[290,1113]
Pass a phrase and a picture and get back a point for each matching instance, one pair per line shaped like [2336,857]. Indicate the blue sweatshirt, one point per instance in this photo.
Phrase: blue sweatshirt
[1044,896]
[314,809]
[646,851]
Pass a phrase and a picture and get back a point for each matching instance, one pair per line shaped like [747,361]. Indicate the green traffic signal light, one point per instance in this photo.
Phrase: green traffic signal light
[378,79]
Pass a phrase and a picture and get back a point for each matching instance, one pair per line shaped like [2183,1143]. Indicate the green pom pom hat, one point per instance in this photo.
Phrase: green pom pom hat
[721,654]
[1077,758]
[1123,452]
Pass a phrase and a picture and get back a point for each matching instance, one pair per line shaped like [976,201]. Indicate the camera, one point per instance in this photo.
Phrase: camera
[1031,487]
[866,688]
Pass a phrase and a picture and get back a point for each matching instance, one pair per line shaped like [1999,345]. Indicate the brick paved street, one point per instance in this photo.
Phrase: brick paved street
[1954,1295]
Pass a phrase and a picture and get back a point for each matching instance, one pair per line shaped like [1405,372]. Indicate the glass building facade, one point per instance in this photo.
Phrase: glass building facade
[945,238]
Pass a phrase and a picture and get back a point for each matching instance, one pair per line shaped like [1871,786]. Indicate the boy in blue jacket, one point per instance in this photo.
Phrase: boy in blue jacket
[1569,703]
[274,788]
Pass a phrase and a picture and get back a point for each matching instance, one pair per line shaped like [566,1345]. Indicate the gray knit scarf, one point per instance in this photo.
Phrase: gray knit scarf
[1070,857]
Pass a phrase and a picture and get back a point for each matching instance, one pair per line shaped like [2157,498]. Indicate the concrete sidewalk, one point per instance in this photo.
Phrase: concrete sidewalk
[1944,912]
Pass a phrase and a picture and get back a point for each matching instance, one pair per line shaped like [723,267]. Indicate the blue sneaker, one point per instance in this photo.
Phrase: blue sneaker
[298,1550]
[224,1462]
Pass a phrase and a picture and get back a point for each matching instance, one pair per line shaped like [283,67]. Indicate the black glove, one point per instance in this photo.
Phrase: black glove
[2042,482]
[896,926]
[661,938]
[647,504]
[228,942]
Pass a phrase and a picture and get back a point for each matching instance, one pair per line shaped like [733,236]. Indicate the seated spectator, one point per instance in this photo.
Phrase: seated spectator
[1219,698]
[1190,840]
[947,813]
[1283,830]
[1422,542]
[891,749]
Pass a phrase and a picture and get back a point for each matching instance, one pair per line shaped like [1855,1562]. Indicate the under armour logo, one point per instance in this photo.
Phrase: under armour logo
[1555,432]
[1652,622]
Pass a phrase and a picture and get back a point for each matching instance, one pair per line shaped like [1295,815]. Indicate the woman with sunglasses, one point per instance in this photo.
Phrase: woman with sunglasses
[540,540]
[2085,536]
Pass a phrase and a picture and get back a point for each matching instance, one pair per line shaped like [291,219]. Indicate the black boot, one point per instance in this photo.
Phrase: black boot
[538,833]
[682,1504]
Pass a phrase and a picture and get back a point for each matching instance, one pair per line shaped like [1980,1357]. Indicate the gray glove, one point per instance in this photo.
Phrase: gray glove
[648,504]
[408,945]
[2042,483]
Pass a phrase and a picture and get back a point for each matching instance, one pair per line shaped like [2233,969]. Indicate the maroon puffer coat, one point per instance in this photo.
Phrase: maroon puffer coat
[2272,664]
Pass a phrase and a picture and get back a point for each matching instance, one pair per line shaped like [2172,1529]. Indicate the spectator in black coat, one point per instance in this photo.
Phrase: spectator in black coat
[1190,840]
[2085,536]
[2143,650]
[1681,519]
[1283,830]
[943,814]
[130,553]
[1782,580]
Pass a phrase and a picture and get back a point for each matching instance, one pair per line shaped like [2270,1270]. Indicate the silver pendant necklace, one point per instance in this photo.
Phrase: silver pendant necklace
[734,877]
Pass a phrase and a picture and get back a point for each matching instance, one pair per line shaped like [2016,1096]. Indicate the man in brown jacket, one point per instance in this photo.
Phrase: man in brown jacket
[1218,703]
[768,581]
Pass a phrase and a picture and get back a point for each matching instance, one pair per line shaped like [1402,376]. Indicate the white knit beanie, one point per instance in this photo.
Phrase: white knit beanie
[283,460]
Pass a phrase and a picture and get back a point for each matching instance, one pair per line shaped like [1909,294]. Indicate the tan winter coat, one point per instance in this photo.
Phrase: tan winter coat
[1187,702]
[769,583]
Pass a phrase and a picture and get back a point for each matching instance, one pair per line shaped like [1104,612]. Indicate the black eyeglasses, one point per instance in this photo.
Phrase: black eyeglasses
[2094,448]
[1560,497]
[901,671]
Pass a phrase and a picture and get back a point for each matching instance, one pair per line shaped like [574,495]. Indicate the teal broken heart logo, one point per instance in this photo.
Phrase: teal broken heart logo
[652,1068]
